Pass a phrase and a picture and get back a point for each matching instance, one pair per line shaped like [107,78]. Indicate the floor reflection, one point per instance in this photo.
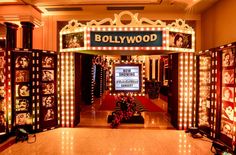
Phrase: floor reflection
[93,141]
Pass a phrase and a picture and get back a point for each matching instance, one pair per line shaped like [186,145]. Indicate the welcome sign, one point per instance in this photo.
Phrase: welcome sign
[126,39]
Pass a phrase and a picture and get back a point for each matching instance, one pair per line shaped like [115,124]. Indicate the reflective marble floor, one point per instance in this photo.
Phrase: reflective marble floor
[102,141]
[91,116]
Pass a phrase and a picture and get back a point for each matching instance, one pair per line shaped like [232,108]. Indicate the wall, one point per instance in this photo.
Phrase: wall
[218,24]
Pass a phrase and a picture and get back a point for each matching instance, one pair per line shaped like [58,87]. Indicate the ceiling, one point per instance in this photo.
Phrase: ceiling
[54,7]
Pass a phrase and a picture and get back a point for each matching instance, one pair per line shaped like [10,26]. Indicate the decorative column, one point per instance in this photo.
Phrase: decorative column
[11,35]
[27,34]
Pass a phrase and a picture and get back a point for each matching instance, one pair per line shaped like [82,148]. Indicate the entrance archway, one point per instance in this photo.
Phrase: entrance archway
[137,37]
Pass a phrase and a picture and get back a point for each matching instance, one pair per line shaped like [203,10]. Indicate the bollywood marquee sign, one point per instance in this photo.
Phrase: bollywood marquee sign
[153,35]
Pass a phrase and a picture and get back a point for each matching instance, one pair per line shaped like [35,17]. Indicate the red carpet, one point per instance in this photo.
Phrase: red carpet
[108,103]
[148,104]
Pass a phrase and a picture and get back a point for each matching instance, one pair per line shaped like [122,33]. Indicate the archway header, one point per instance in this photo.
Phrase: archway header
[136,35]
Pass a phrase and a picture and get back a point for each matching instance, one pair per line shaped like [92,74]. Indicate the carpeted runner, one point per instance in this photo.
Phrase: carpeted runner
[148,104]
[108,103]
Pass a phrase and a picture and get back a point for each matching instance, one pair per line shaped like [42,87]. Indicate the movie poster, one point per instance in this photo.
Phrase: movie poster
[48,88]
[22,62]
[48,101]
[22,76]
[48,75]
[49,115]
[228,76]
[22,90]
[23,118]
[48,61]
[227,128]
[22,104]
[180,40]
[227,57]
[228,94]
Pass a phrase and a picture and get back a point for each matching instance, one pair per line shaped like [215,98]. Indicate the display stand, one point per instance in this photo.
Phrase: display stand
[34,97]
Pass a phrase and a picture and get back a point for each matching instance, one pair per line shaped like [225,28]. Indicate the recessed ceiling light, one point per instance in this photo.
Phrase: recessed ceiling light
[8,1]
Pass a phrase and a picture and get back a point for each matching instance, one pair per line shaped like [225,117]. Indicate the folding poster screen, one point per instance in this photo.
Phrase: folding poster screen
[204,92]
[48,98]
[227,131]
[22,92]
[3,107]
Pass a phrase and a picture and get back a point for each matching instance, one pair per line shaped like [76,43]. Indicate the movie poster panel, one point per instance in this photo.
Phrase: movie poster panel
[228,94]
[49,115]
[228,57]
[48,88]
[22,76]
[22,90]
[227,128]
[205,91]
[22,105]
[228,76]
[22,62]
[48,101]
[23,118]
[48,75]
[180,40]
[47,61]
[228,111]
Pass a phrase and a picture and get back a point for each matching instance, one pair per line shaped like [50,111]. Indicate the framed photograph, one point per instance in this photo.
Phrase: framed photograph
[48,101]
[227,57]
[48,61]
[228,94]
[228,111]
[180,40]
[2,62]
[22,62]
[228,76]
[2,75]
[48,88]
[49,115]
[22,76]
[22,90]
[22,118]
[22,105]
[227,128]
[48,75]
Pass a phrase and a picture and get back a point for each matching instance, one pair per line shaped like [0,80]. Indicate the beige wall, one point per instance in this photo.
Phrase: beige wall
[219,24]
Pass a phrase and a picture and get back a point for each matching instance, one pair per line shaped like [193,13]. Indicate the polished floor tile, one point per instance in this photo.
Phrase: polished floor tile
[97,141]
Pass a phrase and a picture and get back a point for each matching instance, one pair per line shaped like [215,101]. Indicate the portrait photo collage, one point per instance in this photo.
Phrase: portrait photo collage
[48,100]
[228,89]
[205,90]
[2,95]
[22,83]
